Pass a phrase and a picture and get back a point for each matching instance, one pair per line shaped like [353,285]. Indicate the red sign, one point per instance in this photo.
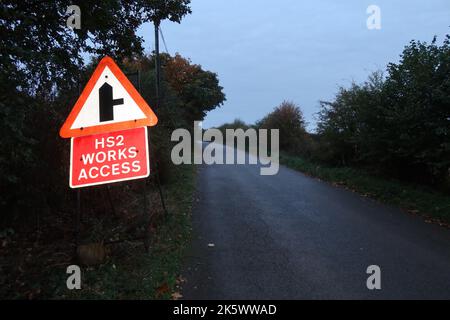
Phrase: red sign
[109,157]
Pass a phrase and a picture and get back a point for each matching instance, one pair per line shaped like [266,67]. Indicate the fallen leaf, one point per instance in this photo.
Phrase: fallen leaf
[161,290]
[176,296]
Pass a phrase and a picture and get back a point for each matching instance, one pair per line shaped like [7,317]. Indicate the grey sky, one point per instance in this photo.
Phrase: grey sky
[267,51]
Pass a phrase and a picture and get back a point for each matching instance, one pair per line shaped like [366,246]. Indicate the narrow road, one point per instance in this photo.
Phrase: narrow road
[289,236]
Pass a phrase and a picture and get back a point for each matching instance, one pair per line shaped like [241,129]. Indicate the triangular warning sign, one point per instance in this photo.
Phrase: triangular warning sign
[109,102]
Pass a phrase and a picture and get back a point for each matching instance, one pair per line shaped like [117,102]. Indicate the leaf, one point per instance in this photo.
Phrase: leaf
[176,296]
[162,290]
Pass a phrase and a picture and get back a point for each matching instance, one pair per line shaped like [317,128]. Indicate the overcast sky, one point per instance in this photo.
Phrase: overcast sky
[269,51]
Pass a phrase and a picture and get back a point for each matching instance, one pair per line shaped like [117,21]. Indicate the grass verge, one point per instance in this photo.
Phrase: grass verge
[130,272]
[415,199]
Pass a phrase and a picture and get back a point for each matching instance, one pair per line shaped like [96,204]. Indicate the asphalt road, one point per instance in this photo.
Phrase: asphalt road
[290,236]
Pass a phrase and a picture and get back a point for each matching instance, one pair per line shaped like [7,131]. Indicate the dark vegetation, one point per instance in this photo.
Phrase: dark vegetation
[41,75]
[388,137]
[398,124]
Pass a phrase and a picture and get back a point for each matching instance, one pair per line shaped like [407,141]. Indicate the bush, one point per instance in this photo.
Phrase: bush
[288,118]
[398,124]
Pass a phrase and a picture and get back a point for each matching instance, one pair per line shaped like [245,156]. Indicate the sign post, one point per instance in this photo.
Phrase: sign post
[108,131]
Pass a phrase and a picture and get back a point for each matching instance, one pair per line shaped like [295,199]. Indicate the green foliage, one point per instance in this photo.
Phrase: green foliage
[158,10]
[288,118]
[40,52]
[343,124]
[198,89]
[399,124]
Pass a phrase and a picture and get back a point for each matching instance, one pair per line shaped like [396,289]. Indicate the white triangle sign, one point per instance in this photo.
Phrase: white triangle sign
[90,113]
[108,103]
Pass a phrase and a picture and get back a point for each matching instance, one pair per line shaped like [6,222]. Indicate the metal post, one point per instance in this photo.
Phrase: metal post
[157,64]
[78,217]
[146,237]
[78,213]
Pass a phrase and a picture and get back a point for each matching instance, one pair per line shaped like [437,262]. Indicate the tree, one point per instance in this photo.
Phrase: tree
[347,124]
[288,118]
[198,89]
[418,93]
[398,124]
[158,10]
[38,50]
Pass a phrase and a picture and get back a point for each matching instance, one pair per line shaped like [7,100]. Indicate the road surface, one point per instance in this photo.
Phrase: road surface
[289,236]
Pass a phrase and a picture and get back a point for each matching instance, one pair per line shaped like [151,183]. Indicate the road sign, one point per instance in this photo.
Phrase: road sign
[109,102]
[109,157]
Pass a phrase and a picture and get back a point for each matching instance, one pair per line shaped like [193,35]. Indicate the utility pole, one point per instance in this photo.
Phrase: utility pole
[158,103]
[157,64]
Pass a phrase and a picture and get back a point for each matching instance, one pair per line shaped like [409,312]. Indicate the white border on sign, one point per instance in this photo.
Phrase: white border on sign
[111,181]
